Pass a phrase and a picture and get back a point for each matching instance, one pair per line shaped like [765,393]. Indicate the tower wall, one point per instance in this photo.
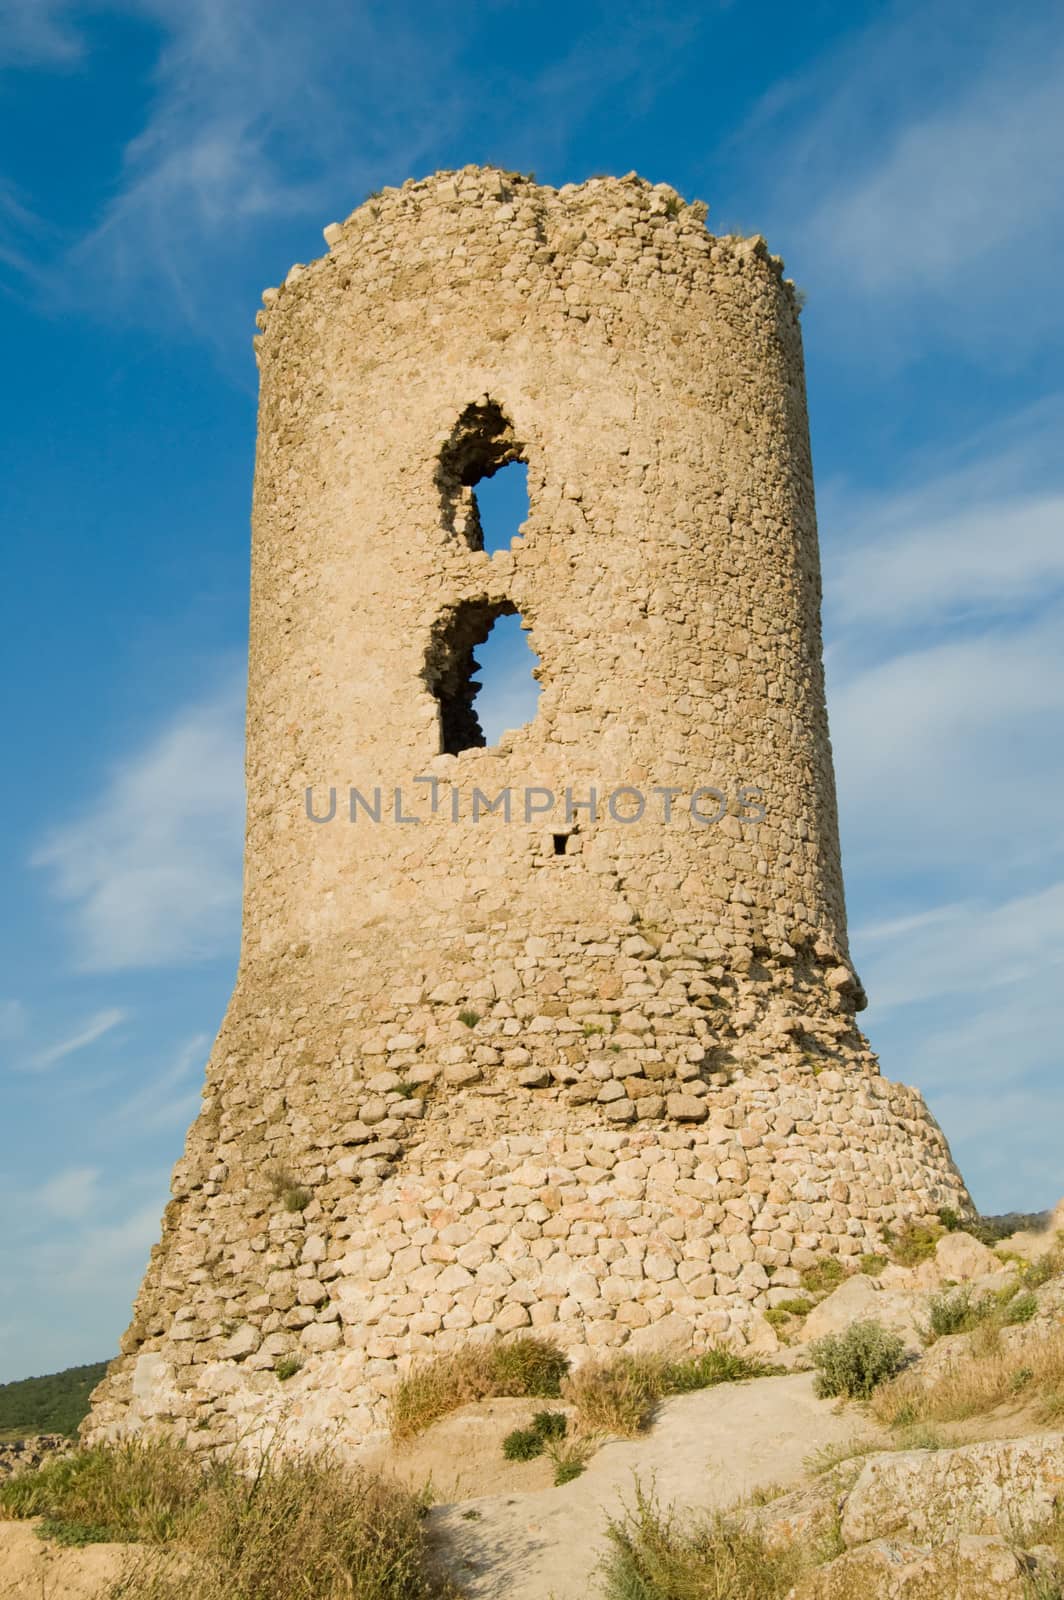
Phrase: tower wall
[581,1073]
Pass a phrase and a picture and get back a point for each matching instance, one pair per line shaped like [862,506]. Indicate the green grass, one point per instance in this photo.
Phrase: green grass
[53,1404]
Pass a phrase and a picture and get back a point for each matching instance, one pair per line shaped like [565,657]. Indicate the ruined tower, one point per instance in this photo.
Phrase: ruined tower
[490,1065]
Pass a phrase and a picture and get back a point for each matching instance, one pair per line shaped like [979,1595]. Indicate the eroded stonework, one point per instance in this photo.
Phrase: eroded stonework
[599,1077]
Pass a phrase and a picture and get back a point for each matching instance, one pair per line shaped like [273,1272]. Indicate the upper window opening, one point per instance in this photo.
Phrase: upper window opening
[505,698]
[482,442]
[502,506]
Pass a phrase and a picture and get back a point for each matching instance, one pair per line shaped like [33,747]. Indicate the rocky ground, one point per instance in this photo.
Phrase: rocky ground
[943,1487]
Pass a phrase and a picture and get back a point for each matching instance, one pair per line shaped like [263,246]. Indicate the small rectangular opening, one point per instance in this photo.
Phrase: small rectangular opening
[561,841]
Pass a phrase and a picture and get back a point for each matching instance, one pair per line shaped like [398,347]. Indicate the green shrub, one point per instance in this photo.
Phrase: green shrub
[954,1311]
[566,1470]
[796,1307]
[824,1276]
[872,1263]
[523,1444]
[915,1243]
[287,1367]
[550,1425]
[470,1018]
[854,1362]
[1021,1307]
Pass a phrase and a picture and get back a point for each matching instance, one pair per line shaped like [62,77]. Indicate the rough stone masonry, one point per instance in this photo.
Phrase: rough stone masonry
[596,1074]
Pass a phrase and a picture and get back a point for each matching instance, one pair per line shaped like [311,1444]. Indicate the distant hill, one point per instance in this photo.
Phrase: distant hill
[53,1404]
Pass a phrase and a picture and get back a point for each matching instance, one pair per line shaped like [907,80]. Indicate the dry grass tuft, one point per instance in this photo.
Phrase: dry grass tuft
[987,1377]
[654,1557]
[434,1388]
[617,1395]
[296,1527]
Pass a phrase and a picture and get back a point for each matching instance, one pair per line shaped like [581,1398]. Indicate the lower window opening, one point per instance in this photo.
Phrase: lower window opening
[476,711]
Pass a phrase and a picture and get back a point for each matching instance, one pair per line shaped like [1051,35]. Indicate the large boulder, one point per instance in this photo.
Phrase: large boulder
[858,1300]
[968,1568]
[995,1488]
[958,1258]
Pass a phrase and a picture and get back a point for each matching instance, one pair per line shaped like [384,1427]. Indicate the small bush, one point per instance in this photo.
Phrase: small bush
[566,1470]
[915,1243]
[954,1311]
[854,1362]
[470,1018]
[523,1444]
[653,1556]
[872,1263]
[824,1276]
[526,1366]
[1020,1308]
[550,1424]
[796,1307]
[287,1367]
[1049,1265]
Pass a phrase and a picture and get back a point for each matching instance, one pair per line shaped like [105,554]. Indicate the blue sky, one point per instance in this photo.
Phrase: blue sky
[168,159]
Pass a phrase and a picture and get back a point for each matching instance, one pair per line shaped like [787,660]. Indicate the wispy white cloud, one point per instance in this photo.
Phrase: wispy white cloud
[266,118]
[36,32]
[944,615]
[170,1099]
[13,1019]
[916,171]
[913,560]
[152,869]
[70,1195]
[968,947]
[261,113]
[95,1028]
[958,185]
[965,1002]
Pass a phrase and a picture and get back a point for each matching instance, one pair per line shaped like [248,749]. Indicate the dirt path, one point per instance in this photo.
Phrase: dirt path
[705,1450]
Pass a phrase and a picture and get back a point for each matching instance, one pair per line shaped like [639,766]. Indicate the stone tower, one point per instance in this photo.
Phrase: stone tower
[492,1065]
